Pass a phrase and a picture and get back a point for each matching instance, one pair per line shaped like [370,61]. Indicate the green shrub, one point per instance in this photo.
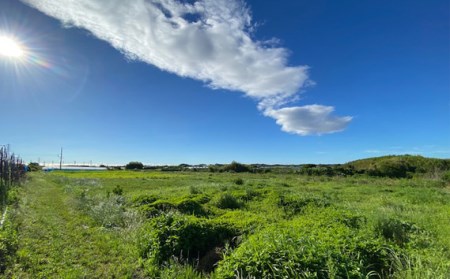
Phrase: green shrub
[237,167]
[8,245]
[228,201]
[201,199]
[118,190]
[12,196]
[242,220]
[34,166]
[251,194]
[143,199]
[446,177]
[307,251]
[194,190]
[134,166]
[174,235]
[190,205]
[239,181]
[294,204]
[108,212]
[397,231]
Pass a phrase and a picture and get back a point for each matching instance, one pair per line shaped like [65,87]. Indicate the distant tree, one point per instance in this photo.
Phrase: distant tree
[237,167]
[34,166]
[134,166]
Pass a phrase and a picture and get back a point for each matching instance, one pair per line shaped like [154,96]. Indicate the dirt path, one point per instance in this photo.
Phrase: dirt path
[58,241]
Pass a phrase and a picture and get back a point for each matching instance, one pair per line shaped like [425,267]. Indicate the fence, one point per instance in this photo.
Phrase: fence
[12,170]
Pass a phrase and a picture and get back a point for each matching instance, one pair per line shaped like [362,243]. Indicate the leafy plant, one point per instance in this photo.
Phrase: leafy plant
[175,235]
[300,251]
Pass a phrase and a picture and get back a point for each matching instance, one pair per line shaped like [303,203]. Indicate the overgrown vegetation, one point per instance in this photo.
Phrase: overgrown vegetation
[12,172]
[198,224]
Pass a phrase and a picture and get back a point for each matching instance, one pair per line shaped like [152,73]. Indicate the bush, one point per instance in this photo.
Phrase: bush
[144,199]
[134,166]
[327,249]
[118,190]
[173,235]
[239,181]
[251,194]
[12,196]
[228,201]
[8,245]
[191,205]
[446,177]
[34,167]
[237,167]
[394,169]
[395,230]
[293,204]
[194,190]
[108,212]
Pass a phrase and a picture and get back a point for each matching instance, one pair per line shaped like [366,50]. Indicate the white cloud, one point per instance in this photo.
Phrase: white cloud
[207,40]
[308,120]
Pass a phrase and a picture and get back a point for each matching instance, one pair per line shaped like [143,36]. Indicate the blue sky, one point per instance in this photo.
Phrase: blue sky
[169,82]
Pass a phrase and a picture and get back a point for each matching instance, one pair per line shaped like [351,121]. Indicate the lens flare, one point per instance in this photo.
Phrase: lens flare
[10,48]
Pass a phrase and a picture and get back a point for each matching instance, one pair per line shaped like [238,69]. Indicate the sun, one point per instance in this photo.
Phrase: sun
[10,48]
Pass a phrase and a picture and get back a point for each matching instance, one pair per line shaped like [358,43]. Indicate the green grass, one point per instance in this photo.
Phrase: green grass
[151,224]
[56,240]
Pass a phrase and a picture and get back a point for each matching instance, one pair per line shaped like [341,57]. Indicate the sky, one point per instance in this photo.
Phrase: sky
[212,81]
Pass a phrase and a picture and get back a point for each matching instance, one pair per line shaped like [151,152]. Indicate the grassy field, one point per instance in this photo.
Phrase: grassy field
[130,224]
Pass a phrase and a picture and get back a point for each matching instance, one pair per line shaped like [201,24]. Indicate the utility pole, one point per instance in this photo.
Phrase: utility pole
[60,159]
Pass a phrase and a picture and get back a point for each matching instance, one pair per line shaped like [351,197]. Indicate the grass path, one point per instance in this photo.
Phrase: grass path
[58,241]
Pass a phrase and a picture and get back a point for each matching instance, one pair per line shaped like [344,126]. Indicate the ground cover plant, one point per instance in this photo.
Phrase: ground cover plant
[194,224]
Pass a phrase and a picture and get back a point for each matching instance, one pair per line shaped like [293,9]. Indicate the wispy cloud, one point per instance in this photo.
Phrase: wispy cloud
[207,40]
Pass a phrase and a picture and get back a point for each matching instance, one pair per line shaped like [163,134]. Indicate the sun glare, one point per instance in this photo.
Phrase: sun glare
[10,48]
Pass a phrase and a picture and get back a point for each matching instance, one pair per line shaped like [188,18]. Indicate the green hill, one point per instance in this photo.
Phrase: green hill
[399,165]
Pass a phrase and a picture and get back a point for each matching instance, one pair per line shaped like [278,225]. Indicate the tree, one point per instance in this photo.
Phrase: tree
[237,167]
[134,166]
[34,166]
